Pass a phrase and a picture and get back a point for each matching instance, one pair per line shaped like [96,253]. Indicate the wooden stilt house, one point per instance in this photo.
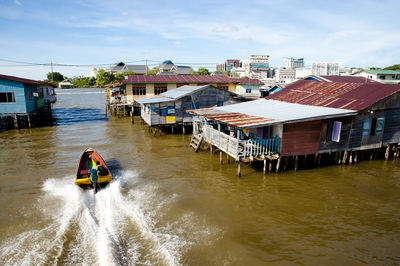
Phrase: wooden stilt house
[169,108]
[307,117]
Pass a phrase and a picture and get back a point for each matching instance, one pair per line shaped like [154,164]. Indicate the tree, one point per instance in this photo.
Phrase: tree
[234,75]
[153,71]
[218,72]
[129,73]
[104,77]
[83,82]
[202,71]
[55,77]
[394,67]
[119,77]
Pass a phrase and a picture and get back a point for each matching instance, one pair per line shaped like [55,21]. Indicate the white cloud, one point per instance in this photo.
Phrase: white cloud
[223,29]
[18,3]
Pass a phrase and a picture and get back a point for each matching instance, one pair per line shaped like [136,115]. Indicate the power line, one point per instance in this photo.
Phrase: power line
[24,64]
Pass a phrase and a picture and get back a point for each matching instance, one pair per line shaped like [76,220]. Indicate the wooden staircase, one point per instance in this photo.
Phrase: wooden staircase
[196,141]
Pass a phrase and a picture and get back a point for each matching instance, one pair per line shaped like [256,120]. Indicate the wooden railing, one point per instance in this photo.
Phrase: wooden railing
[241,149]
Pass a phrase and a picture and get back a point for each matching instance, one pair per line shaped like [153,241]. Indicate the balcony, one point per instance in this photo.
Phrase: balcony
[242,150]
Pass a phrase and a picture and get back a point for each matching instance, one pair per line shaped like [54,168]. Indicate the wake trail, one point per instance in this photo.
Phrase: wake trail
[114,227]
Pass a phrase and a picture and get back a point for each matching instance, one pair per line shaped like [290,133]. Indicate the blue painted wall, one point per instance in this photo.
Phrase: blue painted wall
[30,101]
[19,106]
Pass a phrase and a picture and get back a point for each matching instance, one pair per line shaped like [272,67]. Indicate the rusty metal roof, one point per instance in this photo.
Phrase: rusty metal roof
[23,80]
[356,79]
[140,79]
[267,112]
[343,95]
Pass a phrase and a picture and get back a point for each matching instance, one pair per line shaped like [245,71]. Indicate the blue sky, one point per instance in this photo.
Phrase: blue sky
[358,33]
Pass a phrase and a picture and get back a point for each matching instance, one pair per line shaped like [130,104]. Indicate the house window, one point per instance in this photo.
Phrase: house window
[224,87]
[195,105]
[7,97]
[366,126]
[220,103]
[248,90]
[373,126]
[159,89]
[163,111]
[337,127]
[171,110]
[333,131]
[382,77]
[379,126]
[139,90]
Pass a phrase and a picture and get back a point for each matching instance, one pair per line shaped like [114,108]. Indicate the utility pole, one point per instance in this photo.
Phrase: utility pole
[52,78]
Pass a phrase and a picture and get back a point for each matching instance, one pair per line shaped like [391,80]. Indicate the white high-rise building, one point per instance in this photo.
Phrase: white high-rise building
[325,69]
[292,63]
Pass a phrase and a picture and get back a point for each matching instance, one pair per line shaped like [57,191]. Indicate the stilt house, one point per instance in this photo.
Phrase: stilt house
[20,99]
[169,108]
[307,117]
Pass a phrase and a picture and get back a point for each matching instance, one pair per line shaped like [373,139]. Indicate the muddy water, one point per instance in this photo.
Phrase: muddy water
[171,206]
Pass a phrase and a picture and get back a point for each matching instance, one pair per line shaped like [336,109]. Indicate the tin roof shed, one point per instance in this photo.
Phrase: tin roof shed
[268,112]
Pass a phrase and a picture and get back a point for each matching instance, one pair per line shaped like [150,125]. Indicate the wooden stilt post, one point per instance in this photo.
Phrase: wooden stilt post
[172,129]
[16,125]
[183,130]
[239,172]
[29,121]
[355,157]
[132,119]
[387,152]
[278,164]
[227,159]
[351,158]
[296,162]
[319,156]
[344,157]
[211,148]
[265,167]
[269,165]
[220,158]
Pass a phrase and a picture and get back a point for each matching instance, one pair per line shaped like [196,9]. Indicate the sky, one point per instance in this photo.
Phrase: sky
[353,33]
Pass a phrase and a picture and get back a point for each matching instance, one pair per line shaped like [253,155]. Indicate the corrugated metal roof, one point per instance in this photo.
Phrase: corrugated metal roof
[183,91]
[174,94]
[177,79]
[263,112]
[354,79]
[381,71]
[342,95]
[23,80]
[153,99]
[188,79]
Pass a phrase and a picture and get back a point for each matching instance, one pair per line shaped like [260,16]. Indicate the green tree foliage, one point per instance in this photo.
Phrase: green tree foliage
[153,71]
[84,82]
[394,67]
[54,77]
[221,72]
[119,77]
[103,77]
[201,71]
[129,73]
[234,75]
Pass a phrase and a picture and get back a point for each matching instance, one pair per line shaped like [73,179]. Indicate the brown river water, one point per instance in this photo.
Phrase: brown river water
[172,206]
